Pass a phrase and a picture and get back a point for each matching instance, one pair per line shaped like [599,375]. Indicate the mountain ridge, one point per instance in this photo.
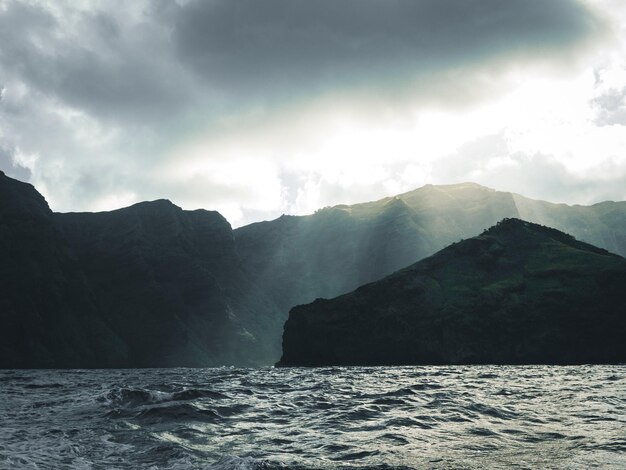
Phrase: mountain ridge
[338,248]
[245,279]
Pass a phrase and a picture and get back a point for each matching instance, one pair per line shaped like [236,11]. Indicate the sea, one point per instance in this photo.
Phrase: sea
[456,417]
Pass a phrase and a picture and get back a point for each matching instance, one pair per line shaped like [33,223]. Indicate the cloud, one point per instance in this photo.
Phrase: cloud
[611,108]
[11,167]
[609,101]
[490,161]
[295,47]
[103,62]
[258,108]
[155,59]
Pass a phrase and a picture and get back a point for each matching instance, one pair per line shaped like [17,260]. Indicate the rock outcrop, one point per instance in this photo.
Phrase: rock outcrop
[519,293]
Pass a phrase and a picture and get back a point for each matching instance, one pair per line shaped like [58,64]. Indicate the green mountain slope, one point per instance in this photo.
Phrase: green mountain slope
[519,293]
[337,249]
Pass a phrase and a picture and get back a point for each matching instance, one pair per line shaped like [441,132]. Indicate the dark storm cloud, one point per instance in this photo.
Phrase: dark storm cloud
[289,45]
[90,61]
[217,54]
[102,98]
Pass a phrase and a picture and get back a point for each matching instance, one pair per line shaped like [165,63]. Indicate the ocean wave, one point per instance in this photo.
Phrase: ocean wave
[135,397]
[315,419]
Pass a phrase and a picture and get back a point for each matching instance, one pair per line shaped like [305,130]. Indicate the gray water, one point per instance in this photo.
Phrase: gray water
[388,417]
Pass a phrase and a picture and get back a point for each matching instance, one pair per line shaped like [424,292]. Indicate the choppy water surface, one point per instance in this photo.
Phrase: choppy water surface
[409,417]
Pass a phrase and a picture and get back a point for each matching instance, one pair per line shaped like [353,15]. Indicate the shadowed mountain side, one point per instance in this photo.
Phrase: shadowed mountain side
[170,282]
[48,315]
[519,293]
[337,249]
[148,285]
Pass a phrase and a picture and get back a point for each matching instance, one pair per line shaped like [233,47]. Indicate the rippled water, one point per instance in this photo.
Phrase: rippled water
[406,417]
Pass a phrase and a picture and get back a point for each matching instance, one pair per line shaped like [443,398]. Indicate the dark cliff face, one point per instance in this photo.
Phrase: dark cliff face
[518,293]
[148,285]
[170,282]
[47,314]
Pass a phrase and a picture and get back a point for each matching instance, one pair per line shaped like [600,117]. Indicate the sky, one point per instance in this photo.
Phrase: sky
[259,108]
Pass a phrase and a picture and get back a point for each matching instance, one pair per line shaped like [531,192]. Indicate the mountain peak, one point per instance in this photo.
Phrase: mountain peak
[509,224]
[446,188]
[395,201]
[156,203]
[513,228]
[19,197]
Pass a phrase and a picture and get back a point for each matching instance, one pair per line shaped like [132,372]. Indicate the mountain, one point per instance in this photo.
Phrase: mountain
[299,258]
[47,313]
[149,285]
[155,285]
[519,293]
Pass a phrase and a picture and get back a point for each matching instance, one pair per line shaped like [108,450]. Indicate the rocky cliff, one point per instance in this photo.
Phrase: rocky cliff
[519,293]
[47,311]
[148,285]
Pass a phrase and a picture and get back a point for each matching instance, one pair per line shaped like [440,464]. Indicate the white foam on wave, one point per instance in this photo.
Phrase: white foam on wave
[235,463]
